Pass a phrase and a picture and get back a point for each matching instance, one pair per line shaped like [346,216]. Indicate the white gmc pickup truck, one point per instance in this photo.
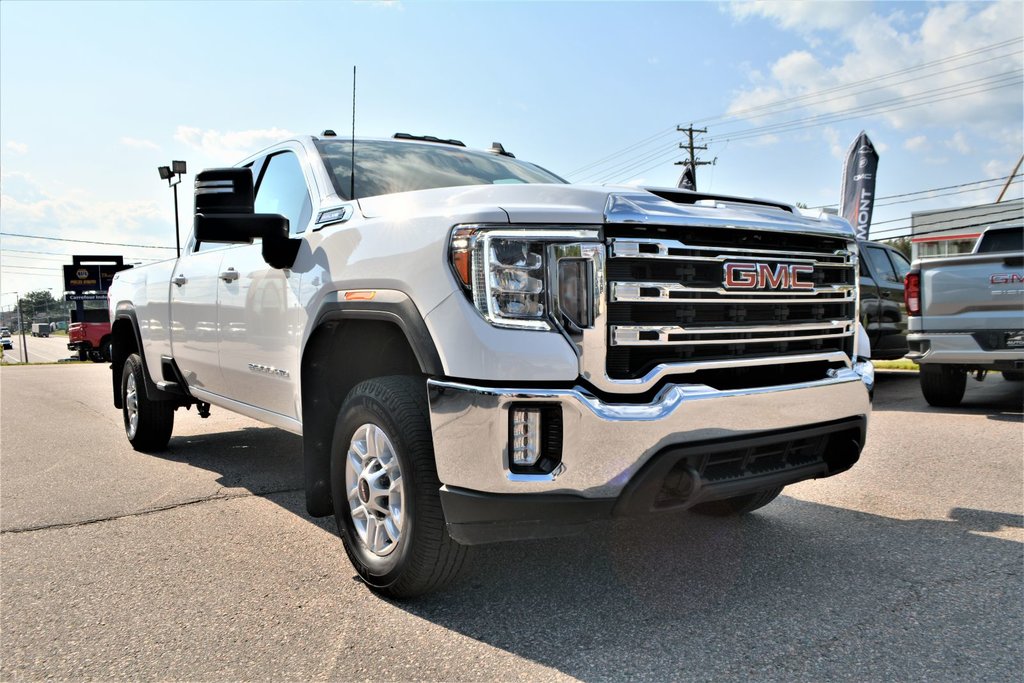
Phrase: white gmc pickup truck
[475,351]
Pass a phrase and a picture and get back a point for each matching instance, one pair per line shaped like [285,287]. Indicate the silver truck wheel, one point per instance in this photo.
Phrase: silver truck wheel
[384,488]
[147,424]
[131,407]
[373,478]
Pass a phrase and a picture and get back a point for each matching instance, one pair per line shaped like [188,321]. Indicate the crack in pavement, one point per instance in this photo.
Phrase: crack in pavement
[148,511]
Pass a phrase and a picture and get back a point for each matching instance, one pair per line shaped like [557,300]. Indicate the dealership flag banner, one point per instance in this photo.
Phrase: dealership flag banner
[686,181]
[858,198]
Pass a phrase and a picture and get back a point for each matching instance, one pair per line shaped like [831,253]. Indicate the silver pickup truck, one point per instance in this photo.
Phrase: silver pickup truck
[966,315]
[474,350]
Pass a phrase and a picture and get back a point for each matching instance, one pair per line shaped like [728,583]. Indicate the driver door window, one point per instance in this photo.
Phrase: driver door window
[282,189]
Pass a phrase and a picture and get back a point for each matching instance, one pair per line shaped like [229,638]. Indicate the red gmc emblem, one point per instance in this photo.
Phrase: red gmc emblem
[763,276]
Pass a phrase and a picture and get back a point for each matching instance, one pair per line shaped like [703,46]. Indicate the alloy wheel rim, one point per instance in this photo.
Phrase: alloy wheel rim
[375,489]
[131,402]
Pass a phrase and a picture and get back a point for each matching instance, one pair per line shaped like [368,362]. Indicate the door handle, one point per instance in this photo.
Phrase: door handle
[229,275]
[180,280]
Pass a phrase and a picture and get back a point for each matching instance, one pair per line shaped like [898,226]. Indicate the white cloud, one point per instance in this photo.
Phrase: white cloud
[229,146]
[139,144]
[918,143]
[27,207]
[998,168]
[868,45]
[803,16]
[835,147]
[959,143]
[17,147]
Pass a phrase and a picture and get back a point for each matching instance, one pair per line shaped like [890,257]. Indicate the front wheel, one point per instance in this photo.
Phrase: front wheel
[385,490]
[943,386]
[147,424]
[739,505]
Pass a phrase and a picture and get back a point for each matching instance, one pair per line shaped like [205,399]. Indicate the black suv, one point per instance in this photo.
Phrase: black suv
[882,310]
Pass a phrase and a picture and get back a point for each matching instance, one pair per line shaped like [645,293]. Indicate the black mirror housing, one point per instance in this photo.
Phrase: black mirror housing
[224,190]
[224,213]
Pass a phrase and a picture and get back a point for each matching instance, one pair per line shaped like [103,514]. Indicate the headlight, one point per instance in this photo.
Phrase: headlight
[506,274]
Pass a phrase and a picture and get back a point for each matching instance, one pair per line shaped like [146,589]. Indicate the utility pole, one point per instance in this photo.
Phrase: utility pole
[1009,181]
[694,161]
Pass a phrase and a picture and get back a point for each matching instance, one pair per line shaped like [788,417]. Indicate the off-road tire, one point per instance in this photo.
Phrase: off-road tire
[155,418]
[943,386]
[424,558]
[740,505]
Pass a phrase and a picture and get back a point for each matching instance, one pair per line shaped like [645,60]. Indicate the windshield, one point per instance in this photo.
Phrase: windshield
[389,166]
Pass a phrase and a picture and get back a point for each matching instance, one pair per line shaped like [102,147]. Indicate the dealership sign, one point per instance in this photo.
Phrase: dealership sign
[85,296]
[91,274]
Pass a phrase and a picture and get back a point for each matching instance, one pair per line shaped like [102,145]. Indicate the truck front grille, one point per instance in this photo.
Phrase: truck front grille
[668,303]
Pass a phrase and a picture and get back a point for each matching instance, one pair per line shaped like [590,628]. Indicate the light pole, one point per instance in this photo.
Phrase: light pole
[21,326]
[168,173]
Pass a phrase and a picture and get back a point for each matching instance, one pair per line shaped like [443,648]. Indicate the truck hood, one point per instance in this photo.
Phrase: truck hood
[597,205]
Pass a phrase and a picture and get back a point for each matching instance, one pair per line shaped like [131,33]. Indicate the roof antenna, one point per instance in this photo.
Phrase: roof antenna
[352,169]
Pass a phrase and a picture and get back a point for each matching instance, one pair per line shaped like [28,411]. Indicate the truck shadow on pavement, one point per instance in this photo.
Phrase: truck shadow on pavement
[1000,399]
[797,591]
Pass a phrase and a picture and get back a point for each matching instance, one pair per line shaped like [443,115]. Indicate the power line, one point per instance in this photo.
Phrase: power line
[949,92]
[924,199]
[985,224]
[1016,211]
[874,109]
[18,265]
[934,189]
[50,254]
[933,96]
[874,82]
[641,143]
[64,239]
[810,96]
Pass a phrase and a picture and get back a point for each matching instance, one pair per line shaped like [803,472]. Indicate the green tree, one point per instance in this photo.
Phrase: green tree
[900,244]
[40,303]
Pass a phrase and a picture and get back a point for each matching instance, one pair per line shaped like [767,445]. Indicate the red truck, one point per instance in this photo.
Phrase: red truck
[90,335]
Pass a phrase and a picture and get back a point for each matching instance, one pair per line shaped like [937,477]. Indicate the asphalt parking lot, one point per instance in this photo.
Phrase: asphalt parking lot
[201,564]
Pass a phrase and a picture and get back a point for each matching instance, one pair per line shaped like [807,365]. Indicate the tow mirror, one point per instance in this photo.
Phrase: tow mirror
[225,213]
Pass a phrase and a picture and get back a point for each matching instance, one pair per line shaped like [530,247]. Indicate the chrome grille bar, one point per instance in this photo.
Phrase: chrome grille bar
[630,292]
[629,335]
[662,249]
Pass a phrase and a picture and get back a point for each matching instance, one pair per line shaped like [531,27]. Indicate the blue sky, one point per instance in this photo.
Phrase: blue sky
[95,96]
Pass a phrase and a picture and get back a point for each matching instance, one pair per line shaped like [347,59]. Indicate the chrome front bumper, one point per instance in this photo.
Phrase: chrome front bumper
[605,444]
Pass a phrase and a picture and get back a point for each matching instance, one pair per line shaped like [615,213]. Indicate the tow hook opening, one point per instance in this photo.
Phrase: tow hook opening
[842,451]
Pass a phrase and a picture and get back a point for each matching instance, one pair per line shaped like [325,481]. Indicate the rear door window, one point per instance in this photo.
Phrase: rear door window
[881,265]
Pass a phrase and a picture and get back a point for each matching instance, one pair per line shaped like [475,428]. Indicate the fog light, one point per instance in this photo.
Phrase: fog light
[526,436]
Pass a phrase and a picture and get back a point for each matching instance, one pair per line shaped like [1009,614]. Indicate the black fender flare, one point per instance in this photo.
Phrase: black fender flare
[153,392]
[388,306]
